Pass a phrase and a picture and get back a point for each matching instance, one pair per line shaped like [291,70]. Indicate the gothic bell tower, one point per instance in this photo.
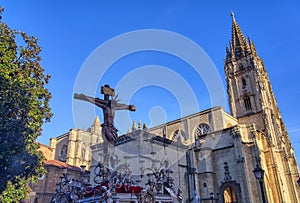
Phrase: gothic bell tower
[250,94]
[243,70]
[252,101]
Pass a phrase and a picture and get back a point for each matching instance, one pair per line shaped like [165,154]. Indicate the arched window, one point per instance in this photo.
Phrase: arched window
[175,135]
[178,133]
[204,184]
[229,195]
[247,103]
[202,129]
[244,82]
[63,153]
[230,192]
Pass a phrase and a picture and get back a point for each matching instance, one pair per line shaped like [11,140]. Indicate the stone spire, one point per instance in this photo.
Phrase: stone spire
[239,44]
[96,126]
[96,122]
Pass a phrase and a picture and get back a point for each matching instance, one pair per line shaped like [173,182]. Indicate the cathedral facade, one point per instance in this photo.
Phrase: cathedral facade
[212,154]
[73,147]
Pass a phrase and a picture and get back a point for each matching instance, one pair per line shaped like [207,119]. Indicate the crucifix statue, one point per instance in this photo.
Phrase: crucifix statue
[109,106]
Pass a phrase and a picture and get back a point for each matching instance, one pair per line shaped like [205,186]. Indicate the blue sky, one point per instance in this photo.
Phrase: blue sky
[69,31]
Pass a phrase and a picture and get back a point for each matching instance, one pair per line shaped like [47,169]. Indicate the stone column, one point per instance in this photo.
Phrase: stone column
[53,143]
[71,147]
[236,134]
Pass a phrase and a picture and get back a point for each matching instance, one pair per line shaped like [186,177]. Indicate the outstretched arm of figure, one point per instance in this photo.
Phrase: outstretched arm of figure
[125,107]
[96,101]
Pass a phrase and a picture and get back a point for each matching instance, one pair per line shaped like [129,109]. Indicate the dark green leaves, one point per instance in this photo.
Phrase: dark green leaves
[24,107]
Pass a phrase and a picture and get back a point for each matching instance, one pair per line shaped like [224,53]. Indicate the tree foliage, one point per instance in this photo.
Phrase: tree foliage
[24,107]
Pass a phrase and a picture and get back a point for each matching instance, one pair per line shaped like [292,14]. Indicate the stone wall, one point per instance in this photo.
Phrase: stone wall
[44,189]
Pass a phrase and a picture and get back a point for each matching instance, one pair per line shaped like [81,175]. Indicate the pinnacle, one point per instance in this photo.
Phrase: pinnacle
[96,122]
[133,128]
[232,16]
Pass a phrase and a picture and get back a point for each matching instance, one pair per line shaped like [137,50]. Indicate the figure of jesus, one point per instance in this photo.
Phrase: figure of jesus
[109,106]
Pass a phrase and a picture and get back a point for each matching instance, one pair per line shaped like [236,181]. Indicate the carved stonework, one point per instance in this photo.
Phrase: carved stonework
[226,172]
[235,132]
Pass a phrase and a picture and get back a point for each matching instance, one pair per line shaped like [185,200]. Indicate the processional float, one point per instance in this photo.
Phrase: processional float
[116,185]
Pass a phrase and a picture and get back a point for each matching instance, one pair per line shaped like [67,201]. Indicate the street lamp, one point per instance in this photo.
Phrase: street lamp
[259,175]
[211,196]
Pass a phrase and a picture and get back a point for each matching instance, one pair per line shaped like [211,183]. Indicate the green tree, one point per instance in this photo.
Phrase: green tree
[24,107]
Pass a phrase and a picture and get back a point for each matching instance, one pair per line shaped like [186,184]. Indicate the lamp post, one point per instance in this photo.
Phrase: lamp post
[259,175]
[212,197]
